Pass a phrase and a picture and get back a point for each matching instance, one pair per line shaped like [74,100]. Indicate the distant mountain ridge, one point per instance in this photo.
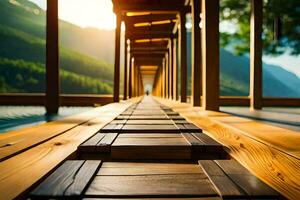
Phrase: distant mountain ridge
[89,53]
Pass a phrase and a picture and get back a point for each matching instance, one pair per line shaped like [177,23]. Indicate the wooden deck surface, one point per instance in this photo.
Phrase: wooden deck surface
[125,152]
[272,153]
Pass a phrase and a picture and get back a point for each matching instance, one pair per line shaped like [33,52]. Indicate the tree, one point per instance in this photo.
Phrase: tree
[281,18]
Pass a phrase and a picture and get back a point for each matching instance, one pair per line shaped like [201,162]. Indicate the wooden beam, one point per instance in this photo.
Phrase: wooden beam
[117,59]
[149,18]
[149,35]
[256,89]
[162,8]
[196,53]
[210,54]
[183,57]
[154,27]
[148,55]
[52,58]
[125,68]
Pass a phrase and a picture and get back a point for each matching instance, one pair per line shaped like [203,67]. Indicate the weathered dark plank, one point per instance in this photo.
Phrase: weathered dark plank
[253,186]
[188,128]
[111,128]
[91,144]
[69,180]
[223,185]
[105,144]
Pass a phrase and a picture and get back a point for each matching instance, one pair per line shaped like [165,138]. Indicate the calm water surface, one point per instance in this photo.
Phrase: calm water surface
[15,117]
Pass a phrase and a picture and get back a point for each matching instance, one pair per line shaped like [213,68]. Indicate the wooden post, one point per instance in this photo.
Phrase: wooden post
[210,54]
[256,89]
[130,76]
[117,59]
[164,77]
[196,54]
[167,75]
[183,57]
[125,68]
[171,69]
[175,72]
[52,58]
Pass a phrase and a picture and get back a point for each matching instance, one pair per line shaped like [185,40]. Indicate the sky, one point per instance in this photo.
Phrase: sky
[91,13]
[99,14]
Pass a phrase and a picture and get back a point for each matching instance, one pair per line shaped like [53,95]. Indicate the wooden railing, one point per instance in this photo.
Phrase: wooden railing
[92,100]
[65,99]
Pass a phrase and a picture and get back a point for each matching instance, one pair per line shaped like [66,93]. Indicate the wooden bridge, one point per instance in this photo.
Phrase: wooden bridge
[158,146]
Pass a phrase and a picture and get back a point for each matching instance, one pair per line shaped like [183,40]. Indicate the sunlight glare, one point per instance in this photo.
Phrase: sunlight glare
[91,13]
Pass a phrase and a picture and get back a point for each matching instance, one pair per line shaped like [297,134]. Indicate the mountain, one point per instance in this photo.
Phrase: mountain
[22,38]
[234,76]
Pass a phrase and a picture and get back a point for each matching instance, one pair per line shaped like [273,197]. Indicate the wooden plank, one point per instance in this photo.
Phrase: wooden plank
[90,144]
[135,169]
[112,128]
[256,46]
[270,152]
[34,163]
[225,187]
[118,121]
[210,144]
[210,53]
[254,187]
[149,117]
[52,58]
[15,142]
[201,150]
[128,147]
[177,185]
[69,180]
[161,128]
[188,128]
[150,122]
[105,143]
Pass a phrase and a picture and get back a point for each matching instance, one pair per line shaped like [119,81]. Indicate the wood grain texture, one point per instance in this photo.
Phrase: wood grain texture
[17,141]
[151,186]
[269,152]
[36,162]
[69,180]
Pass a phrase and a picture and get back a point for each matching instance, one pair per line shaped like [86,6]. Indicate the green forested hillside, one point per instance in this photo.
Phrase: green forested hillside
[22,37]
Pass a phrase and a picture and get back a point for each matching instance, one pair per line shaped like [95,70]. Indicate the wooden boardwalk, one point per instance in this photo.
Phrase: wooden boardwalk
[151,152]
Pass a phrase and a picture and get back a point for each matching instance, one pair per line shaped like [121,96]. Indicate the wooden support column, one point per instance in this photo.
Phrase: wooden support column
[167,75]
[164,77]
[175,70]
[210,54]
[171,69]
[196,54]
[125,68]
[256,73]
[117,59]
[52,58]
[131,60]
[183,57]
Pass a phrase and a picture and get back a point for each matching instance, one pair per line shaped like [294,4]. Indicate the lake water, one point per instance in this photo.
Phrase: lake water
[15,117]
